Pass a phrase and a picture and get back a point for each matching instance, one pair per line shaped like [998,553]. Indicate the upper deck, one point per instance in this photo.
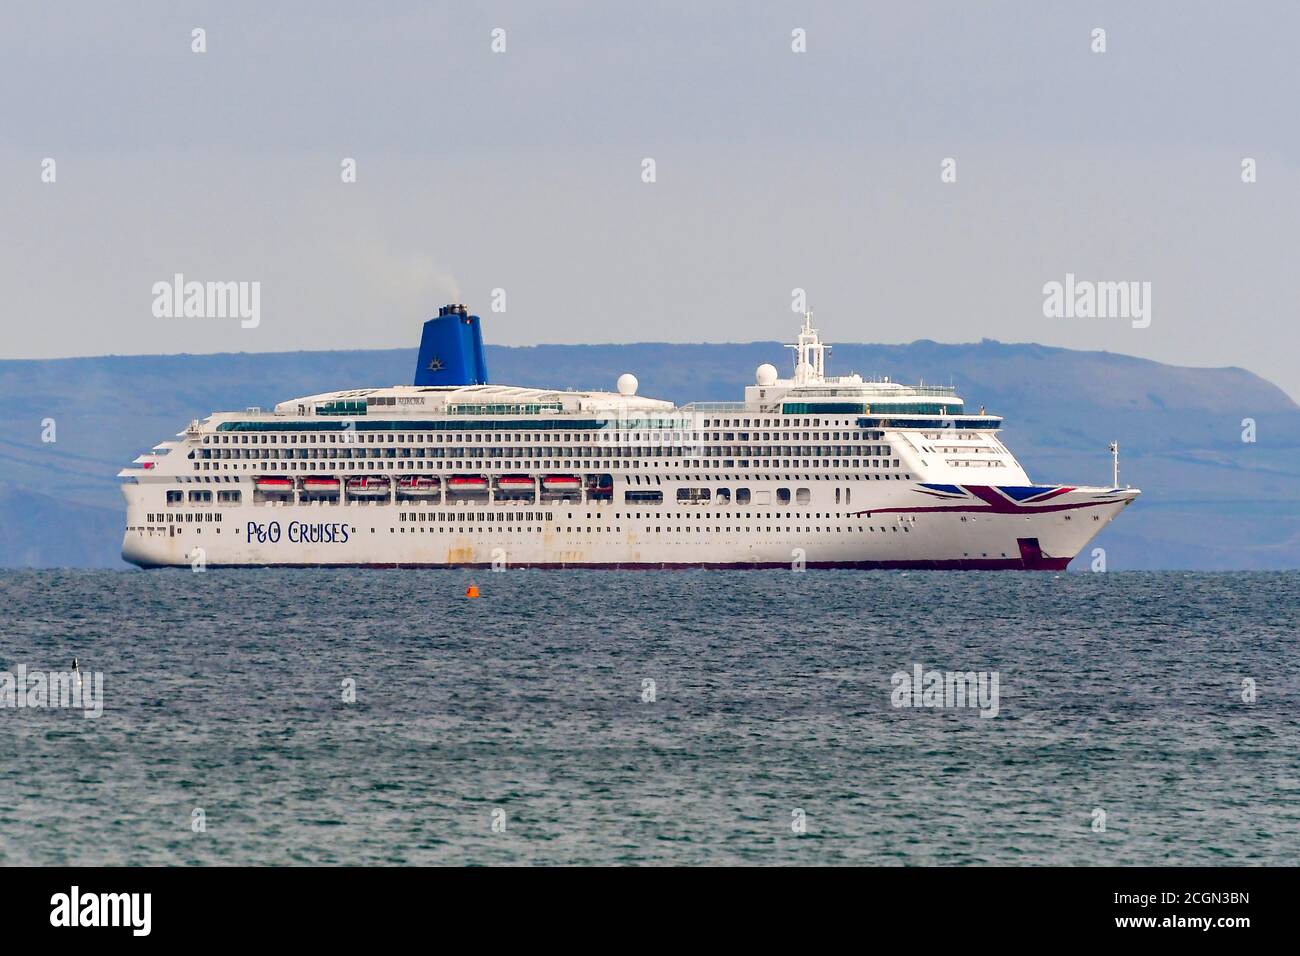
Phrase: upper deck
[809,391]
[473,400]
[423,426]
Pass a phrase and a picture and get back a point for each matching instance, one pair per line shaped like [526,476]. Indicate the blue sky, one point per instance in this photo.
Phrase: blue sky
[774,170]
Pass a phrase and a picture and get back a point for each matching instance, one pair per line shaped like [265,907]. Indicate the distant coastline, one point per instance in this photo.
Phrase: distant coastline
[1212,502]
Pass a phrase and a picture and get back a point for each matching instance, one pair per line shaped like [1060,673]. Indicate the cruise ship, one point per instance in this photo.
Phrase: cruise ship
[810,471]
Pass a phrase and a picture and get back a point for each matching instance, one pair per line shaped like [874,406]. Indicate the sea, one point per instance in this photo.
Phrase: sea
[321,717]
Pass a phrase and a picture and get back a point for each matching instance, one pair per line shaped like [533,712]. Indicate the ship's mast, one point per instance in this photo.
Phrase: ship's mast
[810,355]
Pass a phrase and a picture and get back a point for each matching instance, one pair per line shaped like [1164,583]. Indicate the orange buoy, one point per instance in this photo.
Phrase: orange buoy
[471,591]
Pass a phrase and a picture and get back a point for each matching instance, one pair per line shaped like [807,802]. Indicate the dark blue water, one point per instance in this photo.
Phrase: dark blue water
[1119,692]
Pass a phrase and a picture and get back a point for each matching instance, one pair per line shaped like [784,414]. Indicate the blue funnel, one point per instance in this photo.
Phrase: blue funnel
[451,350]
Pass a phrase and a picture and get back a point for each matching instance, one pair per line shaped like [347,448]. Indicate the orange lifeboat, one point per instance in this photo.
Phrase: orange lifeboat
[321,486]
[368,486]
[418,486]
[274,485]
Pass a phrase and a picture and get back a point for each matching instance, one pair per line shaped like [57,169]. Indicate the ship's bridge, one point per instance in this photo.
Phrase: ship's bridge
[811,391]
[853,395]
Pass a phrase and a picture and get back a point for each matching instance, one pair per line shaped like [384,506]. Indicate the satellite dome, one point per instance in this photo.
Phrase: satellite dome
[765,374]
[627,384]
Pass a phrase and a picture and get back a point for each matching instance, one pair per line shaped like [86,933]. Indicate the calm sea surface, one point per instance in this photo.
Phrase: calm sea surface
[1119,693]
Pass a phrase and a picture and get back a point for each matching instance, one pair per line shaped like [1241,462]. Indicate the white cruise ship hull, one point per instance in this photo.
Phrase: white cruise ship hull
[906,528]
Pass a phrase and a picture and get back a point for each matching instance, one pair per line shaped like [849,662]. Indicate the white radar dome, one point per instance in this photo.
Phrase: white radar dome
[627,384]
[765,374]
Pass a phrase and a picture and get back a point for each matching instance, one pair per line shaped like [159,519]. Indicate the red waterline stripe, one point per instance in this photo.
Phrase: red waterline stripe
[1045,563]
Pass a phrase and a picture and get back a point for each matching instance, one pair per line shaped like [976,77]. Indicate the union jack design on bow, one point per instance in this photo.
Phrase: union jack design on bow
[1006,499]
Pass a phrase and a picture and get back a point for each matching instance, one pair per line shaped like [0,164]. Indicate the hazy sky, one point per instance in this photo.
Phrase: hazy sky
[522,170]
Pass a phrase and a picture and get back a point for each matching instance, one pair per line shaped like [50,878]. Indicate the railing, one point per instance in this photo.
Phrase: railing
[878,389]
[495,408]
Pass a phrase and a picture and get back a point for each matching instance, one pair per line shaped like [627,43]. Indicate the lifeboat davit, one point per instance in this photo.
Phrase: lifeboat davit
[321,486]
[281,486]
[561,483]
[368,486]
[418,486]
